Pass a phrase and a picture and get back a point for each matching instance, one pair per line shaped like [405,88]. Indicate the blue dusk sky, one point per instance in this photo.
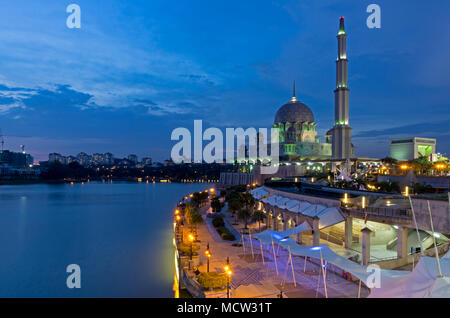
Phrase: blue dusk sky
[137,69]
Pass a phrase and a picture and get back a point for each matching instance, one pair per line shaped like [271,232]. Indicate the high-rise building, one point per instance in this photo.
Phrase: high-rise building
[412,148]
[108,159]
[83,158]
[133,159]
[341,133]
[53,157]
[147,161]
[70,159]
[97,158]
[15,159]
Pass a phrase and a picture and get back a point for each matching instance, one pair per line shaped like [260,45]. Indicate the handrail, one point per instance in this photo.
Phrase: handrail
[380,211]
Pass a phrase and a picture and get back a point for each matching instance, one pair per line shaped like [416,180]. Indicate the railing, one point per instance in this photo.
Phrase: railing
[380,211]
[191,285]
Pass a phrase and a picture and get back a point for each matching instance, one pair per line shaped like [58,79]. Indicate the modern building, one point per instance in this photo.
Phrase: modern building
[83,158]
[53,157]
[404,149]
[147,161]
[108,159]
[133,159]
[15,159]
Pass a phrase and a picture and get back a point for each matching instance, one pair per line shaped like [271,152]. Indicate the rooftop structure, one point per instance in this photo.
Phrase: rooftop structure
[412,148]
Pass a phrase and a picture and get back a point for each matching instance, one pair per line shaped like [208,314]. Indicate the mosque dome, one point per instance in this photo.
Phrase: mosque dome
[294,111]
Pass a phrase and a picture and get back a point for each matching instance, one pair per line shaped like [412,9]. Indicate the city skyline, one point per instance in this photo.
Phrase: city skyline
[65,91]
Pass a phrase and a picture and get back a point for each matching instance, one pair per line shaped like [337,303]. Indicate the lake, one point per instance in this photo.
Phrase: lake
[120,234]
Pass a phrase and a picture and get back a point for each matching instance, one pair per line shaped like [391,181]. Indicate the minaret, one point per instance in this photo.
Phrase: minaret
[342,133]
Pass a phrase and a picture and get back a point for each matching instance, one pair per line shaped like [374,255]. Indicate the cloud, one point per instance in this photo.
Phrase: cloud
[423,129]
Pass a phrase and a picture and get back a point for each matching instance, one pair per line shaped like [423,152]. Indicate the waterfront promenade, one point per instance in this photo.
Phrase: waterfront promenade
[252,278]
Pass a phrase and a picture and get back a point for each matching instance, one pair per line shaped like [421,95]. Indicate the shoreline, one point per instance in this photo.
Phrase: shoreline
[58,181]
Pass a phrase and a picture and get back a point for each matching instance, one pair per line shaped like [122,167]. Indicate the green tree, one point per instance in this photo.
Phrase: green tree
[216,205]
[249,201]
[422,165]
[192,216]
[244,214]
[389,161]
[258,216]
[235,204]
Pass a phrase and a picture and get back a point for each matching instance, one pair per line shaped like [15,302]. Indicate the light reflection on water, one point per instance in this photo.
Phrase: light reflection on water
[120,234]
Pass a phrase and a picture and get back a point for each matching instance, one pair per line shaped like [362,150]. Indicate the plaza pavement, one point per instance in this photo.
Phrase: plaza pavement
[253,279]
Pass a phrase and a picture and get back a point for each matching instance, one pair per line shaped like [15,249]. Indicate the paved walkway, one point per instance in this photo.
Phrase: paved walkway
[254,279]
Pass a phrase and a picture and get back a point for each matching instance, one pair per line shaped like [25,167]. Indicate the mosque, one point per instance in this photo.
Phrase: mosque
[297,132]
[297,127]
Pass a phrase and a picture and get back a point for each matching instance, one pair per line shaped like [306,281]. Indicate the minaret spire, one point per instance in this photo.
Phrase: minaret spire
[293,94]
[341,26]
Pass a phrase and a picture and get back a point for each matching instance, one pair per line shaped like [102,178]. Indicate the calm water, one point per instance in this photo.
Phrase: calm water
[120,234]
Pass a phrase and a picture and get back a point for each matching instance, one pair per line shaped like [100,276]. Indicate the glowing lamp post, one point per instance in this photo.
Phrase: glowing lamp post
[345,198]
[228,271]
[404,167]
[191,239]
[208,255]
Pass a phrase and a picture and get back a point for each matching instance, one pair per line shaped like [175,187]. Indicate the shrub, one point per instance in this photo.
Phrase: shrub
[212,280]
[218,222]
[225,234]
[185,248]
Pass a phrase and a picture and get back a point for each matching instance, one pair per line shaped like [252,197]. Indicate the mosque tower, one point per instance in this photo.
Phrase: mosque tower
[342,133]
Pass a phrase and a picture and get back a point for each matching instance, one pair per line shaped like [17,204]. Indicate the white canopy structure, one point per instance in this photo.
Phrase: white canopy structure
[422,282]
[331,257]
[259,193]
[328,215]
[269,236]
[324,253]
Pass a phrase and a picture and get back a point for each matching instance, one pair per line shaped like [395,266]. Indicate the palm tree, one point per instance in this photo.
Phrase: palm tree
[389,161]
[422,164]
[244,214]
[248,201]
[258,216]
[235,205]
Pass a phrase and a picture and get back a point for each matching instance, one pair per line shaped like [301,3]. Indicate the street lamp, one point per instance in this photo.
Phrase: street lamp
[208,255]
[191,239]
[228,271]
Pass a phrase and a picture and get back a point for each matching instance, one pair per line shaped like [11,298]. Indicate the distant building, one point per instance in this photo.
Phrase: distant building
[70,159]
[133,159]
[108,159]
[147,161]
[83,158]
[15,159]
[97,159]
[412,148]
[53,157]
[168,163]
